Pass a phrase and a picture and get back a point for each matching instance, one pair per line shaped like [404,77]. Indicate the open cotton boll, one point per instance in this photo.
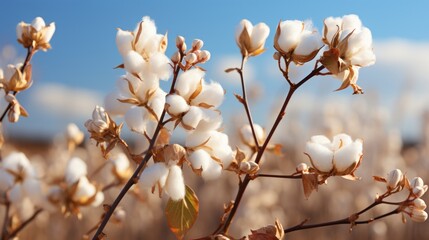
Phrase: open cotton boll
[24,209]
[135,118]
[176,104]
[124,41]
[76,168]
[211,120]
[348,155]
[133,62]
[197,138]
[211,95]
[160,65]
[99,198]
[259,35]
[199,159]
[192,118]
[38,23]
[158,172]
[308,43]
[188,81]
[330,27]
[33,190]
[144,31]
[320,156]
[289,35]
[84,190]
[157,102]
[212,171]
[341,140]
[351,22]
[175,184]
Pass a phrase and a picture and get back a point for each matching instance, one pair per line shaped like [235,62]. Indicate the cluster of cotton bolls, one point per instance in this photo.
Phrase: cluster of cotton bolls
[192,104]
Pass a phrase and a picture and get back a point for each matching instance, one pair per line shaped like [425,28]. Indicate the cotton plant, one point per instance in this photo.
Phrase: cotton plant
[191,105]
[75,190]
[20,185]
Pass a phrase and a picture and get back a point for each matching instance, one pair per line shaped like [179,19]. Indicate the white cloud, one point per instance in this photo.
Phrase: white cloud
[405,55]
[65,102]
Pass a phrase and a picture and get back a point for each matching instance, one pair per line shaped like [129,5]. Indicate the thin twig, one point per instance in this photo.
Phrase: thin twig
[347,220]
[30,53]
[248,178]
[24,224]
[245,102]
[5,229]
[277,176]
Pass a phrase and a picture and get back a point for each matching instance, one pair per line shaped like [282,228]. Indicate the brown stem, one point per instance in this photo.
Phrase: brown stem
[277,176]
[5,229]
[24,224]
[141,165]
[30,53]
[245,103]
[347,220]
[248,178]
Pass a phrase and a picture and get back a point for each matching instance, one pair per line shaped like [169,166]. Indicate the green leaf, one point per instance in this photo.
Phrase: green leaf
[182,214]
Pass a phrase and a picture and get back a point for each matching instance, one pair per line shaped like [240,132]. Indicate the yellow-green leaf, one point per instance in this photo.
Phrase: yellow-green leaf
[182,214]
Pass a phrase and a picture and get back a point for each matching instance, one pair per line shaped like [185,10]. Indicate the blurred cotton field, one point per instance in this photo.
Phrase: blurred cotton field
[85,164]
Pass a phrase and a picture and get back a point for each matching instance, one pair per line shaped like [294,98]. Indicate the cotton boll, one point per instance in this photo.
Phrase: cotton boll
[341,140]
[320,139]
[199,159]
[321,157]
[211,120]
[211,95]
[99,198]
[84,191]
[6,180]
[212,171]
[330,27]
[351,22]
[188,81]
[153,174]
[76,168]
[192,118]
[160,65]
[260,33]
[124,41]
[308,43]
[175,185]
[289,35]
[176,105]
[135,119]
[197,138]
[133,62]
[49,32]
[145,30]
[244,24]
[38,24]
[157,102]
[348,156]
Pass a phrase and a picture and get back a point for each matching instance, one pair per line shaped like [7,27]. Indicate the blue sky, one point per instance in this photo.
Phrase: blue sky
[84,52]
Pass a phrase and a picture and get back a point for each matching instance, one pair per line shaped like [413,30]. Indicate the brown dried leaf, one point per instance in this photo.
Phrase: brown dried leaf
[163,137]
[197,90]
[120,66]
[309,183]
[379,179]
[228,70]
[239,98]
